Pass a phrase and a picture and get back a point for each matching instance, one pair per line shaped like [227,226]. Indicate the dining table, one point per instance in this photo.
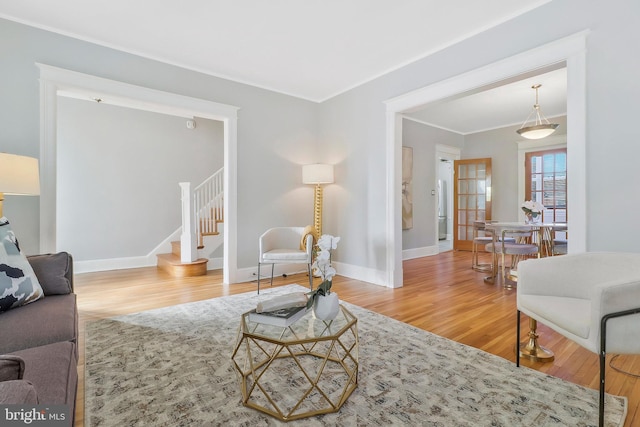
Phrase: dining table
[544,235]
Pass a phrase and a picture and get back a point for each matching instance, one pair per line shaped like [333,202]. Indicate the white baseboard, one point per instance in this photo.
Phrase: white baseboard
[130,262]
[113,264]
[369,275]
[364,274]
[250,274]
[107,264]
[419,252]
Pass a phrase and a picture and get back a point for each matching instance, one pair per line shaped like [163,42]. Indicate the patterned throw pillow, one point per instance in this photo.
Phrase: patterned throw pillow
[18,282]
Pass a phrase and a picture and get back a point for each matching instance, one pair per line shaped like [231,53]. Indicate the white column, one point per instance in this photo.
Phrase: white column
[188,247]
[48,145]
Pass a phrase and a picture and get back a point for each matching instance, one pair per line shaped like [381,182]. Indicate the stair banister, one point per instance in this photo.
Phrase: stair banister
[202,209]
[208,207]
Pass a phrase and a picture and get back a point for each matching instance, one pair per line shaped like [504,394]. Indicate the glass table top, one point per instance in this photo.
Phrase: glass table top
[305,329]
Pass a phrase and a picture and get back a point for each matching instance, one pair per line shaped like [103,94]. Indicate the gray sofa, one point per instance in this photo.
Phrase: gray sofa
[38,341]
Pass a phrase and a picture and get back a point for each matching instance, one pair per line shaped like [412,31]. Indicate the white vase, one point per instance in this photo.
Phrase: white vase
[530,219]
[326,307]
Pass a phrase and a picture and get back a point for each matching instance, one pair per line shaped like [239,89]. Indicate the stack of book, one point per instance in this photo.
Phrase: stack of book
[282,310]
[283,317]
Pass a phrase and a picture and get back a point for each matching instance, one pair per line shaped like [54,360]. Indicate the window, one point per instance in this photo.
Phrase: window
[546,182]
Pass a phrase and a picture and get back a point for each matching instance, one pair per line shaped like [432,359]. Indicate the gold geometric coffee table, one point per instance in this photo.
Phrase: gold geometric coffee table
[308,368]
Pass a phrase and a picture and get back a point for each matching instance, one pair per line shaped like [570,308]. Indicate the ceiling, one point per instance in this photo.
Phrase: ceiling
[505,105]
[312,49]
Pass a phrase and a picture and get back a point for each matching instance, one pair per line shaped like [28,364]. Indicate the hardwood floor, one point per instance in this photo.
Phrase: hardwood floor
[441,294]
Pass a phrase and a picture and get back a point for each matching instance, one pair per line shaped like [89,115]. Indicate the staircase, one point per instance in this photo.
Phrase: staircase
[172,264]
[202,207]
[208,226]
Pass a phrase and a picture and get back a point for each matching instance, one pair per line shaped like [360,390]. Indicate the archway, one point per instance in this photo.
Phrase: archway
[570,51]
[53,80]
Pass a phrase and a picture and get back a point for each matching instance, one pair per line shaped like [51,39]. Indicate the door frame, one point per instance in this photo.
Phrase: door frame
[451,153]
[54,80]
[456,225]
[571,51]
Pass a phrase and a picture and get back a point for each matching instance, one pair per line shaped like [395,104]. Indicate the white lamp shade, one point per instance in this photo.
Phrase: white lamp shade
[317,174]
[19,175]
[537,132]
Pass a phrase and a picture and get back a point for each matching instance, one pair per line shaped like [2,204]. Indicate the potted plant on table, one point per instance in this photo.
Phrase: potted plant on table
[532,210]
[324,302]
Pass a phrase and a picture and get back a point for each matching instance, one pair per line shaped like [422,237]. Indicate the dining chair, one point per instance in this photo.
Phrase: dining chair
[518,244]
[286,245]
[480,241]
[560,244]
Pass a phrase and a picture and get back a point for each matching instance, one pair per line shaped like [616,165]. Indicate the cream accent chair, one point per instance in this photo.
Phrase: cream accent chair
[590,298]
[286,245]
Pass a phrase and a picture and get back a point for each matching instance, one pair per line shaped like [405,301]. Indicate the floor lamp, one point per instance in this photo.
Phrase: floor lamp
[18,176]
[317,175]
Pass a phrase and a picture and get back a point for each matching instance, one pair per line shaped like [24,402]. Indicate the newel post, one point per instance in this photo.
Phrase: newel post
[188,247]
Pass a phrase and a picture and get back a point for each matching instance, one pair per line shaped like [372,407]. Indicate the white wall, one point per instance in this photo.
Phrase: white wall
[118,173]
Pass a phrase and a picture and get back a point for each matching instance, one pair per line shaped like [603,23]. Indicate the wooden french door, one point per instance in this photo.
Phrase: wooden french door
[471,199]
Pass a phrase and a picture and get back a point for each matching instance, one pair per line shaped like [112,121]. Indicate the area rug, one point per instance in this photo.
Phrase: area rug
[172,367]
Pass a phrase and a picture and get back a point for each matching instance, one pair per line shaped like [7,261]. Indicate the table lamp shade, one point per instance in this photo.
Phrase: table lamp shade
[19,175]
[317,174]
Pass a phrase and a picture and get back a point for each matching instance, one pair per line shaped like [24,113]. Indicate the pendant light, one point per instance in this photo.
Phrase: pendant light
[542,127]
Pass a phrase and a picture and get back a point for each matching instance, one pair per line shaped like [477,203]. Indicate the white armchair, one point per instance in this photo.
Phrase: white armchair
[590,298]
[286,245]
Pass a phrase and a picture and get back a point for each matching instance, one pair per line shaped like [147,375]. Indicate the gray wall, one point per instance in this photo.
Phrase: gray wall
[357,118]
[423,139]
[118,173]
[276,133]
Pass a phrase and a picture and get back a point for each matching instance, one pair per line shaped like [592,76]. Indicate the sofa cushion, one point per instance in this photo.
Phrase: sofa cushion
[11,367]
[18,283]
[52,369]
[49,320]
[17,392]
[54,272]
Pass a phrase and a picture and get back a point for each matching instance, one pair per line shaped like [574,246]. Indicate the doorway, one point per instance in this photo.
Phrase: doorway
[570,51]
[444,211]
[445,156]
[471,199]
[54,81]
